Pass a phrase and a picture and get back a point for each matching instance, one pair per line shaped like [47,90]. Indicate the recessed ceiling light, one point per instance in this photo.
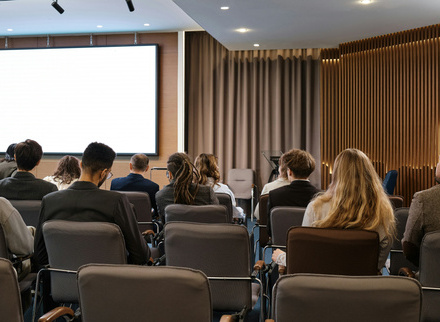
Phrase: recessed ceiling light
[99,26]
[146,24]
[242,30]
[10,29]
[224,8]
[256,45]
[366,1]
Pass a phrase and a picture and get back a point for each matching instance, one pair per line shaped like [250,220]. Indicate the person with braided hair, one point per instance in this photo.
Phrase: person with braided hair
[184,187]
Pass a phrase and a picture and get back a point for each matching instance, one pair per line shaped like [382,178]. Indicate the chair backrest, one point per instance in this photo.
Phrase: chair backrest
[397,258]
[240,181]
[218,250]
[396,201]
[72,244]
[331,298]
[264,236]
[10,303]
[225,200]
[282,218]
[332,251]
[4,252]
[138,293]
[389,183]
[142,206]
[29,210]
[201,214]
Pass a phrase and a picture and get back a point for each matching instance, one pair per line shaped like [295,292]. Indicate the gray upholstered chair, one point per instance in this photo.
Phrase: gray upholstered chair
[123,293]
[333,298]
[142,206]
[332,251]
[72,244]
[222,252]
[242,184]
[201,214]
[10,303]
[29,210]
[225,200]
[397,258]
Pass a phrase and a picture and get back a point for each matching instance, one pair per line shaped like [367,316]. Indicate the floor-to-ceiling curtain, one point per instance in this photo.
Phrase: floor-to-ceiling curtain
[241,103]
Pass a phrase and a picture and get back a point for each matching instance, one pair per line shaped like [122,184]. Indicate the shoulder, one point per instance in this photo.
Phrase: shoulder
[428,194]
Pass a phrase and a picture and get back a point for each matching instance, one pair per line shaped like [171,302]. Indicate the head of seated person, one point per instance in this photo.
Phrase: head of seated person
[184,177]
[96,163]
[208,169]
[27,155]
[139,163]
[299,164]
[9,155]
[67,170]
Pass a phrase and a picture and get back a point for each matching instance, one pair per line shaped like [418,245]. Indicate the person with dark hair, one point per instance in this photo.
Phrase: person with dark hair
[300,165]
[67,172]
[8,166]
[23,185]
[184,187]
[135,181]
[84,201]
[210,176]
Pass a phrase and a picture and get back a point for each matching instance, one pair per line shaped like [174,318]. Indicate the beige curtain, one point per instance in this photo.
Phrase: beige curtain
[241,103]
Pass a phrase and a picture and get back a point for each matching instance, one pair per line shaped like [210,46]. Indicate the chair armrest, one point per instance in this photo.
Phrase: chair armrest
[405,271]
[55,313]
[228,318]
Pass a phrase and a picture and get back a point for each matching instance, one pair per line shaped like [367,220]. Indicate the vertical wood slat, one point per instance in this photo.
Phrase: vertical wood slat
[382,97]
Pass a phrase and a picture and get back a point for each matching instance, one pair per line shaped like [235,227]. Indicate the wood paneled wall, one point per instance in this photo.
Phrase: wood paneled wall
[168,53]
[381,95]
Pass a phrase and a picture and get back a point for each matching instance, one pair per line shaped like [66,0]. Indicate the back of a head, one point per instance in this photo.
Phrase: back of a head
[97,156]
[10,151]
[206,164]
[139,162]
[68,169]
[283,167]
[300,162]
[183,172]
[28,154]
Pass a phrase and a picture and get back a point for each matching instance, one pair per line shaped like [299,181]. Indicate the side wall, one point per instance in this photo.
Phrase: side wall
[168,49]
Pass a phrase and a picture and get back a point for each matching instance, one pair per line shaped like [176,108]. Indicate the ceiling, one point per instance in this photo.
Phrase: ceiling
[273,24]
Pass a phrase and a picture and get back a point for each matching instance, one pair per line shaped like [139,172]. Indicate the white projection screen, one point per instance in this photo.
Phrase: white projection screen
[65,98]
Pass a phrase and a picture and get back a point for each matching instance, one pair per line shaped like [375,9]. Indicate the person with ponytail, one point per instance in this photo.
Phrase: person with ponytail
[355,199]
[184,187]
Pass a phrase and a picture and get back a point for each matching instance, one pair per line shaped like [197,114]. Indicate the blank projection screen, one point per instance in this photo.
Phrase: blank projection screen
[65,98]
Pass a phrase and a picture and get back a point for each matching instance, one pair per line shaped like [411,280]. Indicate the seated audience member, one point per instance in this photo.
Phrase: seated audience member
[355,199]
[135,180]
[23,185]
[210,176]
[281,181]
[8,166]
[67,172]
[184,187]
[424,217]
[84,201]
[299,165]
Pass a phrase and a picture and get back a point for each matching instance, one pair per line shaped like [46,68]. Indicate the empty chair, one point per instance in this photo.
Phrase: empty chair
[241,182]
[201,214]
[222,252]
[396,201]
[264,236]
[10,303]
[29,210]
[332,298]
[225,200]
[72,244]
[124,293]
[389,183]
[142,206]
[397,258]
[332,251]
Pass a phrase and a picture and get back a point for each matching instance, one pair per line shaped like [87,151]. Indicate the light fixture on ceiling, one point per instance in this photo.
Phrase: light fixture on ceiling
[256,45]
[10,29]
[130,5]
[365,1]
[57,7]
[224,8]
[242,30]
[146,24]
[99,26]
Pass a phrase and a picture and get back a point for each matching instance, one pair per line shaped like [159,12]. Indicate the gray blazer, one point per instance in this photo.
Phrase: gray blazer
[24,186]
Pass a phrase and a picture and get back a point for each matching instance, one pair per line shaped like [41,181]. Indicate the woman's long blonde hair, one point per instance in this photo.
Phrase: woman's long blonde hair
[357,198]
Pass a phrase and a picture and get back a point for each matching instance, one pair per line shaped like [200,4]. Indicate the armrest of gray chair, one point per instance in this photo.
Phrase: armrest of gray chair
[56,313]
[405,271]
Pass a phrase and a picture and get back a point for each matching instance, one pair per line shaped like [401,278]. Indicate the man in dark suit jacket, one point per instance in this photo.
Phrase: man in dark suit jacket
[84,201]
[300,165]
[139,164]
[23,185]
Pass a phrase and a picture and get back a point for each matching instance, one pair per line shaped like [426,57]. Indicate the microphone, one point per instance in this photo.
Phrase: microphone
[130,5]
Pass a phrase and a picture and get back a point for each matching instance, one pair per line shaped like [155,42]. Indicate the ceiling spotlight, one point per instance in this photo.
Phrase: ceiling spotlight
[366,1]
[242,30]
[224,8]
[57,7]
[256,45]
[130,5]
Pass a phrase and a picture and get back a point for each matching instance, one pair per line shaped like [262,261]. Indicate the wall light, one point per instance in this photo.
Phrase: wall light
[57,7]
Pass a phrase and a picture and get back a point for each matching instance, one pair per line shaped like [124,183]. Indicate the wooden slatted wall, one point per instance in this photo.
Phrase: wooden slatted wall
[381,95]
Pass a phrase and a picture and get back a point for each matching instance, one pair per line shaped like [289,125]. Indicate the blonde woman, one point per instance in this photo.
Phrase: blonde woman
[355,199]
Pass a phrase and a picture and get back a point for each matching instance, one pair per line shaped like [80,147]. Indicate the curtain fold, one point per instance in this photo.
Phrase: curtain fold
[240,103]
